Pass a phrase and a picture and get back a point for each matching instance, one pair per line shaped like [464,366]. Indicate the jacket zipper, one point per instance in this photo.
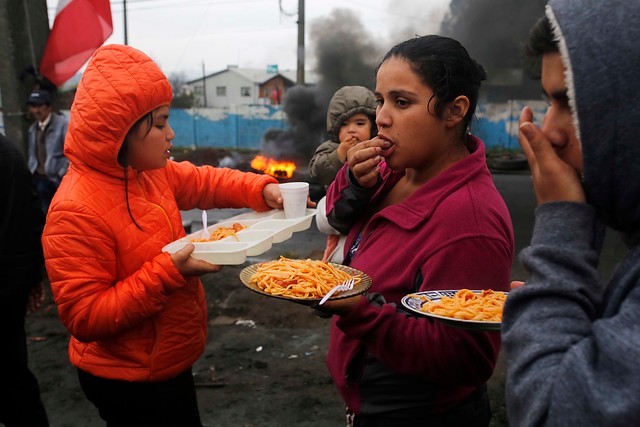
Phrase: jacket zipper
[173,236]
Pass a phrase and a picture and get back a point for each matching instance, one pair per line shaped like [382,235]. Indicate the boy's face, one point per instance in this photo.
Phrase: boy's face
[357,127]
[558,125]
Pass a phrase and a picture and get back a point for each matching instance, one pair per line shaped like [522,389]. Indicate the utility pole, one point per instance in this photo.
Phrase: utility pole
[300,71]
[204,85]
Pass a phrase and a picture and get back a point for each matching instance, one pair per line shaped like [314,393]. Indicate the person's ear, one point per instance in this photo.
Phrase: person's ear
[456,111]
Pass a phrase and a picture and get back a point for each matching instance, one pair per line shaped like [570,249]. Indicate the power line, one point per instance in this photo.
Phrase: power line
[117,5]
[194,34]
[285,13]
[386,12]
[172,4]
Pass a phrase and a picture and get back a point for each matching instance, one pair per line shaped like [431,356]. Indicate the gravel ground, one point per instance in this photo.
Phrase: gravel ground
[264,362]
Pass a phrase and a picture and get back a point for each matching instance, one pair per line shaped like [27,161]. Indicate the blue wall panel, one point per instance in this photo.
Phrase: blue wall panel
[240,127]
[497,124]
[243,126]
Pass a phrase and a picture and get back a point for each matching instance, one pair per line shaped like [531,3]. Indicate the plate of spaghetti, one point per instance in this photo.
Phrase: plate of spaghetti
[302,280]
[464,308]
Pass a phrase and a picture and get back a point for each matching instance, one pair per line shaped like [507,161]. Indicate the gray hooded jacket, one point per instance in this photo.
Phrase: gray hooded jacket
[572,342]
[346,102]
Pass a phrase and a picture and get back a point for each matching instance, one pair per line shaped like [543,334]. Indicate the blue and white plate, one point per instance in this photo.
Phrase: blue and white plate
[416,300]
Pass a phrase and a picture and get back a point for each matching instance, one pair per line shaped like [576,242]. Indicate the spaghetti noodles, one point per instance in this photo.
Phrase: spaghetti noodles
[298,278]
[486,306]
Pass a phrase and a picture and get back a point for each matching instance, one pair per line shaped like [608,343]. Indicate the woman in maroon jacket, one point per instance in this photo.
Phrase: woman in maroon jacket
[422,213]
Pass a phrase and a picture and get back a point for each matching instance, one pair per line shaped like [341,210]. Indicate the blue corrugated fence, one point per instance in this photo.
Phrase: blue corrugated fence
[243,126]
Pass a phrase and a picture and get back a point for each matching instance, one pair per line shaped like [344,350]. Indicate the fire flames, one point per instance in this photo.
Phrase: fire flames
[275,168]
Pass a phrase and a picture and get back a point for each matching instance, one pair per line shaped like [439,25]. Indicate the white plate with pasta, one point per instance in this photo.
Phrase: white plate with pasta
[462,308]
[302,280]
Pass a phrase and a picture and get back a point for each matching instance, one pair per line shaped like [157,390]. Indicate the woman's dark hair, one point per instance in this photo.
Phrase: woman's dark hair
[445,66]
[539,42]
[123,154]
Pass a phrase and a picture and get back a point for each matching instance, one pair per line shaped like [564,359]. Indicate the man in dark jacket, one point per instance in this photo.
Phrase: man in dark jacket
[21,264]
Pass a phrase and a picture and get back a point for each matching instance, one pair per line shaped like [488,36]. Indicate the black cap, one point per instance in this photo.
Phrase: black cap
[39,97]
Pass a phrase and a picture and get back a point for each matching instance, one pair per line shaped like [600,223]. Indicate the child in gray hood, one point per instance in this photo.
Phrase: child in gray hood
[351,118]
[348,102]
[573,343]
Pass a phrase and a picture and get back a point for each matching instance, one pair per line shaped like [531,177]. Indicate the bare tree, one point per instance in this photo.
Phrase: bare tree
[182,94]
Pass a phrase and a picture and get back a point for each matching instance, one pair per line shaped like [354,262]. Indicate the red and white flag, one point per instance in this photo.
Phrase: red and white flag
[80,27]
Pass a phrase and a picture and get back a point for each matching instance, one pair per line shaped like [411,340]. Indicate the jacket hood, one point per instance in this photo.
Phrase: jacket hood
[346,102]
[119,86]
[599,45]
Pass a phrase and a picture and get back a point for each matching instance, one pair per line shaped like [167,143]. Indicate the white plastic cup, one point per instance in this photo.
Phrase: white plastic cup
[294,198]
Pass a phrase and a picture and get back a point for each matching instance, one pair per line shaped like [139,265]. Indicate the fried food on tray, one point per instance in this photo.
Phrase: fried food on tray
[222,232]
[298,278]
[486,306]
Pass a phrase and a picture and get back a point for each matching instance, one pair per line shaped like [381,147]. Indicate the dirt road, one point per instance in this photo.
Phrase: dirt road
[264,362]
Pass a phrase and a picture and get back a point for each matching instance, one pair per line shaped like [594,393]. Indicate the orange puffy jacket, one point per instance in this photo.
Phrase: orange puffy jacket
[131,314]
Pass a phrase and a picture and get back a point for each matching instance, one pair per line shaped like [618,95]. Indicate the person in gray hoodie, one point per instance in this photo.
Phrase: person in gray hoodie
[572,343]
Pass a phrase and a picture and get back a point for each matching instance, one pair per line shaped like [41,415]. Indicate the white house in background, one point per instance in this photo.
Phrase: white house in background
[242,86]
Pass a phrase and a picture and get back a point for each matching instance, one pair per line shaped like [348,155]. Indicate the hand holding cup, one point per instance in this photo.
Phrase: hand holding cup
[294,198]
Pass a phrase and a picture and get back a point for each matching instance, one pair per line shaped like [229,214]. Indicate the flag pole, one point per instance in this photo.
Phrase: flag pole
[124,4]
[33,52]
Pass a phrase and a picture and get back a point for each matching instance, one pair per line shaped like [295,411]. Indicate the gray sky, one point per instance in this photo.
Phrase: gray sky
[182,35]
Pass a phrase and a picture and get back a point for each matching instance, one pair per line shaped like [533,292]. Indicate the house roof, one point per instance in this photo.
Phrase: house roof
[255,75]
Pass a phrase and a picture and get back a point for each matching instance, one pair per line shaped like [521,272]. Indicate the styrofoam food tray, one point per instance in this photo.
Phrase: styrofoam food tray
[263,230]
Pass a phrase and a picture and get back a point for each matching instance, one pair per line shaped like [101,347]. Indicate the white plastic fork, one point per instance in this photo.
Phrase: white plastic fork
[205,232]
[344,286]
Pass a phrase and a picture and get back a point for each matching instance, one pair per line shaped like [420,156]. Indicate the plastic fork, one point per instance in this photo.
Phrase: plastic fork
[344,286]
[205,232]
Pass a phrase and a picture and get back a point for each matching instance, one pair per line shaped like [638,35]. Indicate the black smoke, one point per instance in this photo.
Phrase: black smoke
[305,118]
[345,54]
[493,31]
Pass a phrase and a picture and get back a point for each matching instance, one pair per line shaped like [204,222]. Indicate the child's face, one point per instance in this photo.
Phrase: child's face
[150,150]
[356,127]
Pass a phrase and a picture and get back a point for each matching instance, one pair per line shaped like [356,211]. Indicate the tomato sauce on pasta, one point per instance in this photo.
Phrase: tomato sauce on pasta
[222,232]
[298,278]
[486,306]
